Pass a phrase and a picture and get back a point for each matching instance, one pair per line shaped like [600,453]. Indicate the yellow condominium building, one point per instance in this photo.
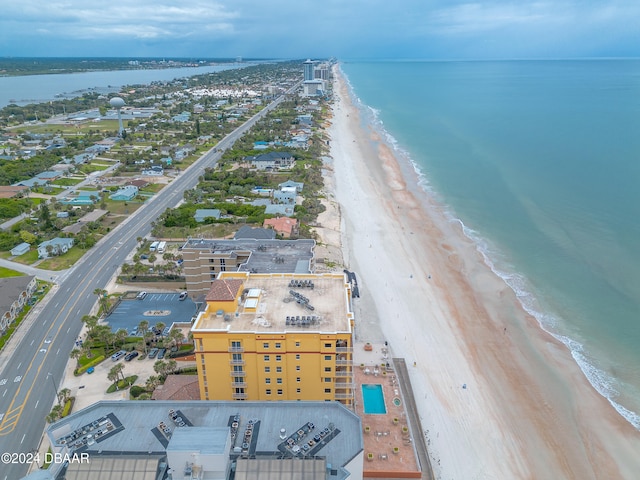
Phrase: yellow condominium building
[276,337]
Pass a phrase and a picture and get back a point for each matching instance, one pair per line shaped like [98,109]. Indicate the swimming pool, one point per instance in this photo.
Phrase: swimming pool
[373,399]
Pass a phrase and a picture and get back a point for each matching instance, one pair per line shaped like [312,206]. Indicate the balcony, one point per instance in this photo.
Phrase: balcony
[344,349]
[345,374]
[343,396]
[239,396]
[236,362]
[238,384]
[236,350]
[344,361]
[234,373]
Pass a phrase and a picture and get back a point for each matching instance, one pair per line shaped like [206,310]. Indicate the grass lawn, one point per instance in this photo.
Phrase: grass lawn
[122,208]
[93,167]
[84,128]
[6,272]
[63,261]
[68,182]
[153,188]
[28,258]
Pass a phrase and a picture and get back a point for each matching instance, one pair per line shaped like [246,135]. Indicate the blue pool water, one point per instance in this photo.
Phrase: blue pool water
[373,399]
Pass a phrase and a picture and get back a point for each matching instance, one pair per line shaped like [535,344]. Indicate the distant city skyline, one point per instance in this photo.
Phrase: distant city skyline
[407,29]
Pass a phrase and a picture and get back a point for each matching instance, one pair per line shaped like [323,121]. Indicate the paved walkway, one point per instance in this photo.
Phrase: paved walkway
[414,419]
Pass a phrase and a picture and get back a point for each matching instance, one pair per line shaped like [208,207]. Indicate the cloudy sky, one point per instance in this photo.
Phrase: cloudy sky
[421,29]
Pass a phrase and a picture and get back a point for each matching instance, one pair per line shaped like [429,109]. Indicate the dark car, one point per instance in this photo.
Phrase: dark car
[130,356]
[153,352]
[161,353]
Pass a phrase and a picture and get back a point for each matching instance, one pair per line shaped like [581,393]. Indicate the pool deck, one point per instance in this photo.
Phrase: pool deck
[394,445]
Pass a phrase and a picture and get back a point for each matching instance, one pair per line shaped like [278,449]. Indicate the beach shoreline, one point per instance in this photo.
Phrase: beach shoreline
[526,411]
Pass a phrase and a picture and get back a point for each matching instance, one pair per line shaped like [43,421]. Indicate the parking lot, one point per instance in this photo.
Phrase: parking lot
[155,307]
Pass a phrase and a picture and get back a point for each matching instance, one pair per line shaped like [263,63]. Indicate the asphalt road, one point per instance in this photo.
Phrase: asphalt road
[31,369]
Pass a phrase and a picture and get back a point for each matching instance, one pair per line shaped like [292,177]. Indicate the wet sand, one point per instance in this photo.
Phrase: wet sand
[527,410]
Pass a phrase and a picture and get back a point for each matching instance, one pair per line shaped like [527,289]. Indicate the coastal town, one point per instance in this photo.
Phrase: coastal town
[255,240]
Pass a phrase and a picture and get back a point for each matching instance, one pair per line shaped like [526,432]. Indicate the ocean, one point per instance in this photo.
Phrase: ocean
[540,162]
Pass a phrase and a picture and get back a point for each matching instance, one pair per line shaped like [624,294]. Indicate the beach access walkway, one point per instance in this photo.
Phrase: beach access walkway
[411,409]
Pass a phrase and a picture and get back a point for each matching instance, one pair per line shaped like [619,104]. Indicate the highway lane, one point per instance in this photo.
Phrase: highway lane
[35,368]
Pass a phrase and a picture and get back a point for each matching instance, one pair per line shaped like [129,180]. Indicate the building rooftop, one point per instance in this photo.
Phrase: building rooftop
[289,253]
[131,427]
[322,304]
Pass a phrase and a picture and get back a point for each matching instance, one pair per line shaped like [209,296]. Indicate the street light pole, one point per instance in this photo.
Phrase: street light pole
[55,388]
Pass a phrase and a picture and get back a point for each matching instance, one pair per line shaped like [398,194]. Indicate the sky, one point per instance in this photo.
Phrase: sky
[346,29]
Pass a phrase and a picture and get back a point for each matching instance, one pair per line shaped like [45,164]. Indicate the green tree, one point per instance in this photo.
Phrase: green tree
[28,237]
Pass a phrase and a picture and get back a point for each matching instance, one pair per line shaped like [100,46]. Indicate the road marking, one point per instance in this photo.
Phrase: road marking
[37,404]
[57,305]
[58,352]
[1,417]
[19,365]
[23,435]
[5,392]
[44,323]
[32,342]
[17,379]
[68,329]
[3,381]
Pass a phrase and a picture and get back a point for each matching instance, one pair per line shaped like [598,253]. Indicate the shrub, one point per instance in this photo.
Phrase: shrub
[67,407]
[136,391]
[84,368]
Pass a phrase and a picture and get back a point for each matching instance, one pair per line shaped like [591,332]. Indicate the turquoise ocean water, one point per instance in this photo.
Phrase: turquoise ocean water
[540,161]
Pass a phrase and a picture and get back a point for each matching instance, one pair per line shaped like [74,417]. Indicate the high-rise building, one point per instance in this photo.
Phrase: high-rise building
[308,70]
[276,337]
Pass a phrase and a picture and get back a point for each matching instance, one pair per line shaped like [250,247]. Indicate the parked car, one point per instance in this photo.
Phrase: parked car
[153,352]
[161,353]
[141,295]
[144,257]
[130,356]
[118,355]
[183,296]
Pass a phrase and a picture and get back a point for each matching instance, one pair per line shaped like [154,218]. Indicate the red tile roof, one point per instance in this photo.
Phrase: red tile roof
[178,387]
[224,290]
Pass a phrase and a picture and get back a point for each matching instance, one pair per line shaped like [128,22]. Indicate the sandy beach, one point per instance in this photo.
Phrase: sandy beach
[526,409]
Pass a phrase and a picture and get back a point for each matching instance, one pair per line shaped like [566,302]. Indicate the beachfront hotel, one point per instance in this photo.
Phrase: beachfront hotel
[277,336]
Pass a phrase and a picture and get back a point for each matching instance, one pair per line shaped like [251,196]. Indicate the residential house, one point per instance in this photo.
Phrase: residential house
[55,246]
[14,294]
[287,227]
[283,210]
[20,249]
[272,161]
[290,183]
[203,213]
[286,196]
[154,170]
[125,193]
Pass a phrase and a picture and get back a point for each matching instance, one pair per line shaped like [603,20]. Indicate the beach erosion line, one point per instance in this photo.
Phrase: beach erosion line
[603,382]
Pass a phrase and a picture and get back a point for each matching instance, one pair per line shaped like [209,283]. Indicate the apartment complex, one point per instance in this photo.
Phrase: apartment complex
[276,337]
[204,259]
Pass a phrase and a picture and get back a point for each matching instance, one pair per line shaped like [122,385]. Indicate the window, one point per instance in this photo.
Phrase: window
[266,358]
[238,379]
[236,346]
[297,390]
[298,379]
[297,356]
[297,344]
[278,369]
[278,345]
[267,380]
[237,357]
[327,369]
[237,368]
[279,380]
[278,358]
[265,345]
[222,261]
[297,368]
[327,357]
[327,390]
[267,369]
[268,391]
[279,391]
[327,379]
[327,345]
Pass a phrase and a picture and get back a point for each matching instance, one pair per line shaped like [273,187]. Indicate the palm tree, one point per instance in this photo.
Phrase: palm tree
[121,336]
[172,366]
[160,367]
[113,375]
[160,326]
[152,382]
[148,336]
[63,396]
[143,327]
[102,299]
